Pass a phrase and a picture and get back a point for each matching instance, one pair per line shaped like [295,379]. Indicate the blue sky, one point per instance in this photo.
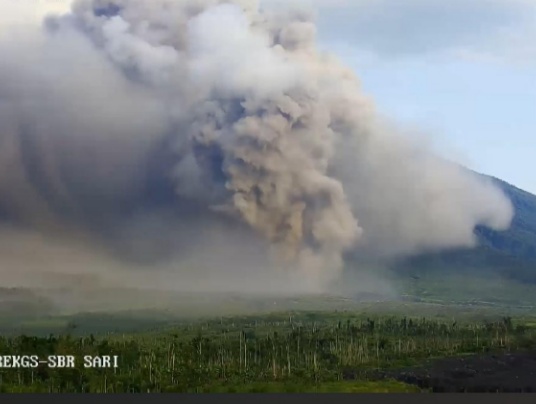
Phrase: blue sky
[462,71]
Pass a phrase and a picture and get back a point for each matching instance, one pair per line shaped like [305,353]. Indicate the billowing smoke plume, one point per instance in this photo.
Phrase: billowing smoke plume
[164,129]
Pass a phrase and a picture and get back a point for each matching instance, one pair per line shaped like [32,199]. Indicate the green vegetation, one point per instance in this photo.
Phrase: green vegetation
[470,291]
[306,351]
[362,386]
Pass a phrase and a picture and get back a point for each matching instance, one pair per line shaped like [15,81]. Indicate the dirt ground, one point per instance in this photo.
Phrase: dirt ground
[511,372]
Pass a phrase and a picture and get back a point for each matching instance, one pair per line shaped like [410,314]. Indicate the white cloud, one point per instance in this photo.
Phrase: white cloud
[500,30]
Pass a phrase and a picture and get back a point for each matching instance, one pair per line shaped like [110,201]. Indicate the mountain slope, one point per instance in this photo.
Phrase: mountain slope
[509,254]
[520,239]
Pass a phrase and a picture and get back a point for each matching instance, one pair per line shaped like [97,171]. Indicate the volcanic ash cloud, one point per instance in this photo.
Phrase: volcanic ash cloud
[110,107]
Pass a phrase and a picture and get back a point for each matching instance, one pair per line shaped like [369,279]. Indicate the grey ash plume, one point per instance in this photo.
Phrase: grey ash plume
[155,132]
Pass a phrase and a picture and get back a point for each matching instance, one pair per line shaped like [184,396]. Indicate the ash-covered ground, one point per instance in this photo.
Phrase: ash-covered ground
[486,373]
